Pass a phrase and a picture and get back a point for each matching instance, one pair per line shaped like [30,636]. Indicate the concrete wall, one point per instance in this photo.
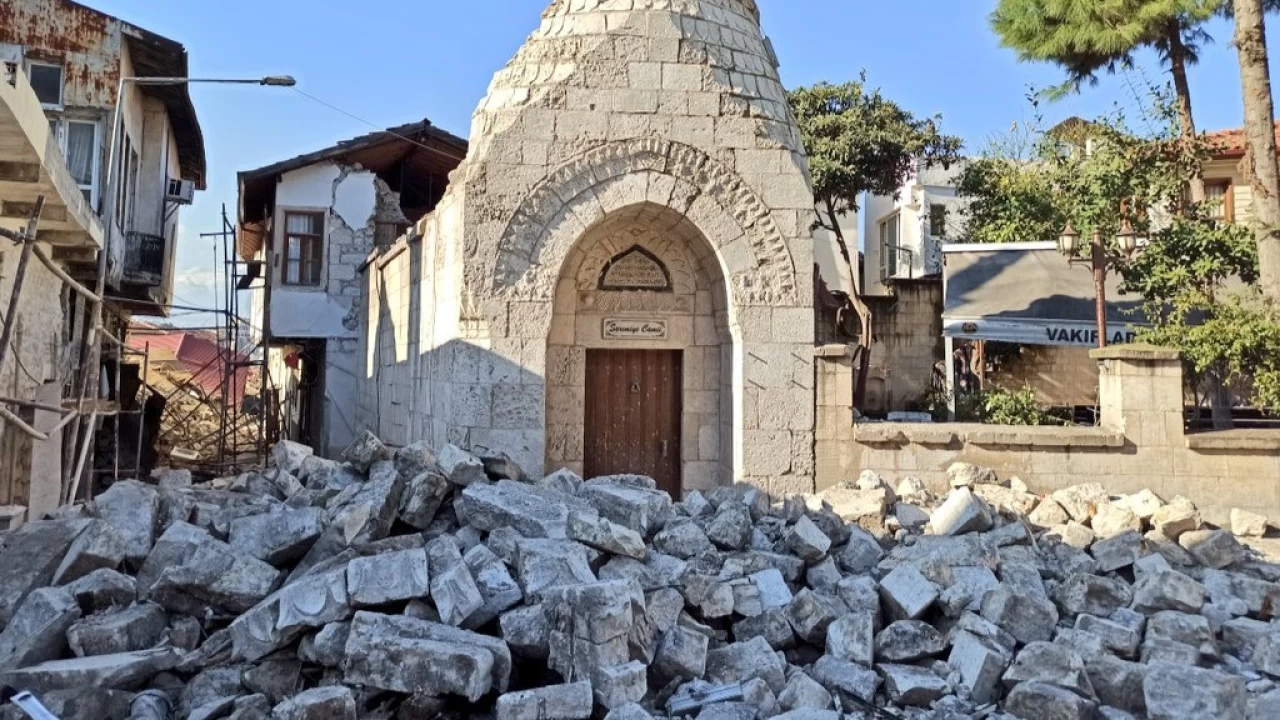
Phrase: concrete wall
[925,188]
[1140,444]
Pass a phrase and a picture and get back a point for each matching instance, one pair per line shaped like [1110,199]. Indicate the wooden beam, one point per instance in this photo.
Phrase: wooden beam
[19,172]
[23,209]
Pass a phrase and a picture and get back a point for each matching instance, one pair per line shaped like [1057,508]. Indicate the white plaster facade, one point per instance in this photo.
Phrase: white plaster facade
[659,123]
[927,202]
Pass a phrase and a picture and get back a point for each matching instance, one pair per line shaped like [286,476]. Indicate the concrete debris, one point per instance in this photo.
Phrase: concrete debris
[405,583]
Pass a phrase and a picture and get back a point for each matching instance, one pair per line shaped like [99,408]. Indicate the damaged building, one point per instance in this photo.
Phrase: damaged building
[307,227]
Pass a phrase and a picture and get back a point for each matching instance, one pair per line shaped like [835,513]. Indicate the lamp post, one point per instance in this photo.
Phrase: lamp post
[1100,262]
[91,353]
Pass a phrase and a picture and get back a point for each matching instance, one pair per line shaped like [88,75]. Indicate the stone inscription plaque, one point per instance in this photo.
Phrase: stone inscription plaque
[636,269]
[635,329]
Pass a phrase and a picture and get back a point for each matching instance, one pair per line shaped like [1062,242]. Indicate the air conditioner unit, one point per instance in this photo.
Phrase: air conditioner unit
[180,191]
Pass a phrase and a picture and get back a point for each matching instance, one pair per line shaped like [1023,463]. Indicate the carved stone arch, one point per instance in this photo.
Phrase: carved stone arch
[574,197]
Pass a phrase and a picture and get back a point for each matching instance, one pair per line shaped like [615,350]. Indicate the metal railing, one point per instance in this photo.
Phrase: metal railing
[144,258]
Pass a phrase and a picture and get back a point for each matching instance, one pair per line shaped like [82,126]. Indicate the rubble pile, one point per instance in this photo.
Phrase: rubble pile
[406,584]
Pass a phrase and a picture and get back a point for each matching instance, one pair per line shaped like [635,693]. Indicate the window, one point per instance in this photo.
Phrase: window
[889,246]
[82,156]
[1221,200]
[303,248]
[46,80]
[937,220]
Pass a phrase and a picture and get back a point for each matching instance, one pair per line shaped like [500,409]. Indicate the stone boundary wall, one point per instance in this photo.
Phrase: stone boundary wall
[1141,443]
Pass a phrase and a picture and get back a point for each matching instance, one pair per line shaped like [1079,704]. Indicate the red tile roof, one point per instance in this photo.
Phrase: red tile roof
[1231,143]
[199,356]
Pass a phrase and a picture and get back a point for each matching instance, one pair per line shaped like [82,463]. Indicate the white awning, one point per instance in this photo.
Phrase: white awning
[1027,293]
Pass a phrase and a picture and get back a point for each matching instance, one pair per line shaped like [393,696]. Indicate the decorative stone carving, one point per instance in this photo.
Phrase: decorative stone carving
[636,269]
[772,277]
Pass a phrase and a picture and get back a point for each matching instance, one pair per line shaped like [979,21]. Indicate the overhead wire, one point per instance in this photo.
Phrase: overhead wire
[371,124]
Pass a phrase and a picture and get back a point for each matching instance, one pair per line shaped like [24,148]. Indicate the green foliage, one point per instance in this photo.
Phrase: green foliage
[859,141]
[1010,202]
[1016,407]
[1089,37]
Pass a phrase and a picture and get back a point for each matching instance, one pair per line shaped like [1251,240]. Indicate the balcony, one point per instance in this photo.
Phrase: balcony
[144,258]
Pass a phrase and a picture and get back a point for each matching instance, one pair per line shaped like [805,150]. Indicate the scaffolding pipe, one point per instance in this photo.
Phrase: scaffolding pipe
[28,240]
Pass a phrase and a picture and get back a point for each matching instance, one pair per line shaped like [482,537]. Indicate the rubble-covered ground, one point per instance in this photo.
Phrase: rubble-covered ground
[409,584]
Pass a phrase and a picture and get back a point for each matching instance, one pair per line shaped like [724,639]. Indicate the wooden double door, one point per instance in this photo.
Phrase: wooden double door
[632,415]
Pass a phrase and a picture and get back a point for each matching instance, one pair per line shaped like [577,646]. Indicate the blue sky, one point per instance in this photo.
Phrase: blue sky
[396,61]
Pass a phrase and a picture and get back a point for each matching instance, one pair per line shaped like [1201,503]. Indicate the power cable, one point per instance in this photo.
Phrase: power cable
[359,119]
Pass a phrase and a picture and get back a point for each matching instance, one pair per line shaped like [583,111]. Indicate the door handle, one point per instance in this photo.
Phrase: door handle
[665,444]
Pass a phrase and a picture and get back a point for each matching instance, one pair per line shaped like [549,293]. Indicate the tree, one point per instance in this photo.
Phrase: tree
[859,141]
[1087,37]
[1264,174]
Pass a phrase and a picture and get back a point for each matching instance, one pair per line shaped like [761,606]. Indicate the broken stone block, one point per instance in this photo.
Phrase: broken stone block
[980,664]
[288,455]
[1143,503]
[526,631]
[499,591]
[1178,517]
[327,646]
[365,451]
[683,539]
[1266,654]
[212,574]
[911,685]
[461,467]
[1081,501]
[810,614]
[29,558]
[402,654]
[804,693]
[861,594]
[1248,524]
[1093,594]
[1192,630]
[1073,534]
[543,564]
[312,602]
[453,589]
[387,578]
[1048,514]
[968,475]
[415,459]
[907,593]
[597,532]
[846,679]
[37,631]
[1049,663]
[908,641]
[555,702]
[488,507]
[619,685]
[741,661]
[563,481]
[681,655]
[1169,590]
[772,625]
[102,589]
[279,537]
[423,494]
[851,638]
[854,505]
[1042,700]
[1239,635]
[133,509]
[1174,692]
[499,465]
[731,528]
[635,507]
[1117,637]
[963,512]
[125,671]
[969,586]
[1111,520]
[807,541]
[1027,617]
[1118,683]
[323,703]
[1087,645]
[860,554]
[98,547]
[1117,552]
[139,627]
[1214,549]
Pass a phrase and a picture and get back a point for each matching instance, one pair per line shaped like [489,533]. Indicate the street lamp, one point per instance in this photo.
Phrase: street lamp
[1100,261]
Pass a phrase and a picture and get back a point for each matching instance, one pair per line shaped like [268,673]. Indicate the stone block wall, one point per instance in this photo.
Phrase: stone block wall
[908,345]
[1060,376]
[1141,443]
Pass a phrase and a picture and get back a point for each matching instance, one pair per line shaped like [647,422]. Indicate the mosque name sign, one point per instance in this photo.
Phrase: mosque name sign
[634,329]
